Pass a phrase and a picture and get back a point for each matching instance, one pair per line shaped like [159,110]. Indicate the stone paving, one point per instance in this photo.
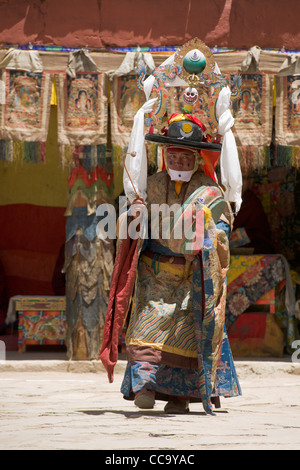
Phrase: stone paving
[55,404]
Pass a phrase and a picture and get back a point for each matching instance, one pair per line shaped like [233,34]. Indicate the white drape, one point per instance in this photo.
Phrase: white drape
[231,175]
[137,165]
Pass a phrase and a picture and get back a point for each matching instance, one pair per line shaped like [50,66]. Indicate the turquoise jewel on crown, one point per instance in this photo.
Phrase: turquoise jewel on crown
[194,62]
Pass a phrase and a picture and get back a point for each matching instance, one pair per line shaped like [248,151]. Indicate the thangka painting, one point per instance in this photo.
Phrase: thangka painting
[126,100]
[25,108]
[287,114]
[251,108]
[82,109]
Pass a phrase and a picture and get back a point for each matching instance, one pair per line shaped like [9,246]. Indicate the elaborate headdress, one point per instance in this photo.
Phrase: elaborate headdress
[192,66]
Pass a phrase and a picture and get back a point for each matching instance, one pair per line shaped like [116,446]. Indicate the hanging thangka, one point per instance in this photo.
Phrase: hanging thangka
[252,108]
[82,125]
[127,95]
[24,106]
[82,108]
[252,111]
[287,120]
[125,100]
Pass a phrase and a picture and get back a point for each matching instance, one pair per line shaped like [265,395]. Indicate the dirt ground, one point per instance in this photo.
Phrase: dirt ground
[58,405]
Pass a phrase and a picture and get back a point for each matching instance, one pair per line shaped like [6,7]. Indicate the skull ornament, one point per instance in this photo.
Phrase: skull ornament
[190,96]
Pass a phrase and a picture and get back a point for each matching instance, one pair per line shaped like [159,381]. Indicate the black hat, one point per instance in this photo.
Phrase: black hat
[184,131]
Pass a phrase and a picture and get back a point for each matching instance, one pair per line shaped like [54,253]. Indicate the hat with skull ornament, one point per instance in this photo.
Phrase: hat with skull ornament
[202,124]
[185,129]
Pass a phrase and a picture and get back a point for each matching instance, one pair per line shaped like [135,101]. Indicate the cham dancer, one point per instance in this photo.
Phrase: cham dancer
[169,279]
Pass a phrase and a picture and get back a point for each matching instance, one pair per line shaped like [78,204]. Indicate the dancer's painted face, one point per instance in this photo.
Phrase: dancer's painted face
[180,159]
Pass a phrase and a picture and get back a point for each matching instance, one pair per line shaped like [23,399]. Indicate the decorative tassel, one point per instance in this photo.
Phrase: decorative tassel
[86,157]
[31,152]
[296,157]
[26,152]
[9,151]
[267,151]
[284,155]
[275,155]
[3,150]
[65,155]
[247,158]
[18,151]
[93,156]
[260,158]
[101,154]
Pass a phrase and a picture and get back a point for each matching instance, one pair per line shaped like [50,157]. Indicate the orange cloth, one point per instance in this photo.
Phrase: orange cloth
[178,185]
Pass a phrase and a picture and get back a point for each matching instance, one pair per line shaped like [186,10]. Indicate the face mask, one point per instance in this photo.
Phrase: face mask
[180,175]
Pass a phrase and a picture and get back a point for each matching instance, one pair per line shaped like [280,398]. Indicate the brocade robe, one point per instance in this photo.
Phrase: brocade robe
[176,340]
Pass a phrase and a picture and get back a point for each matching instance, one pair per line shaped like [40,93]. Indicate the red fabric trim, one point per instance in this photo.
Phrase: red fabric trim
[211,159]
[122,284]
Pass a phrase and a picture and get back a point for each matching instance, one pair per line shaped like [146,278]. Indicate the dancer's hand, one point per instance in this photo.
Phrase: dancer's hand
[139,200]
[137,205]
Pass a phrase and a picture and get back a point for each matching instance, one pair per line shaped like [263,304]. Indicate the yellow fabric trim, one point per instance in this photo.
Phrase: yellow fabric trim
[274,93]
[53,100]
[168,267]
[178,185]
[208,216]
[161,347]
[179,117]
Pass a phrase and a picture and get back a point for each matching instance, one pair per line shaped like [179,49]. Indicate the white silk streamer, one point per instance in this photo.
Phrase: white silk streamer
[231,175]
[137,165]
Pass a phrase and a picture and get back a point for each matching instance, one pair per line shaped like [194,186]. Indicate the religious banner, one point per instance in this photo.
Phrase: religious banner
[125,101]
[251,108]
[82,139]
[126,98]
[88,260]
[25,93]
[88,268]
[251,98]
[287,115]
[82,109]
[89,184]
[127,95]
